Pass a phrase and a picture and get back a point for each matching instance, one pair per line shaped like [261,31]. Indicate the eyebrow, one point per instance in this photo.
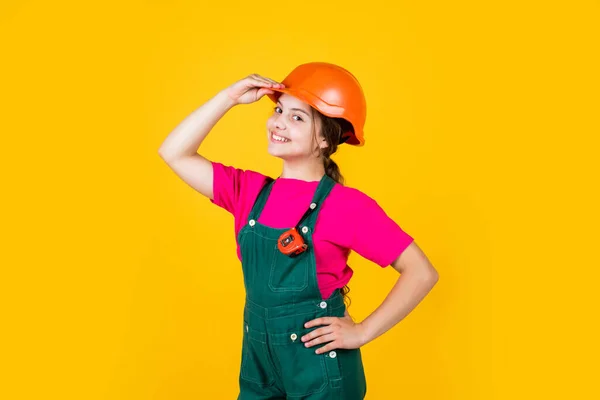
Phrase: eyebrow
[296,109]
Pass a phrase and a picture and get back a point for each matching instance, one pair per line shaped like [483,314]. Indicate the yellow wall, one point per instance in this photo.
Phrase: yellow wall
[120,282]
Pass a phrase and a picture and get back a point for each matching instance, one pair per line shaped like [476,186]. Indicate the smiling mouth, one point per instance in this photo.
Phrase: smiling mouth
[278,139]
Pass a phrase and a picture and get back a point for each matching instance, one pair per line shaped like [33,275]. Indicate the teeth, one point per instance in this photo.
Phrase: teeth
[279,138]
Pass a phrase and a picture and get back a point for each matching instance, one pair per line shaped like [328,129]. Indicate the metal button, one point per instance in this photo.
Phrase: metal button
[304,229]
[332,354]
[252,222]
[323,304]
[246,328]
[313,206]
[294,337]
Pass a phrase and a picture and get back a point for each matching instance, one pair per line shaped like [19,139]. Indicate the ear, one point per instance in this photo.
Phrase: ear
[323,143]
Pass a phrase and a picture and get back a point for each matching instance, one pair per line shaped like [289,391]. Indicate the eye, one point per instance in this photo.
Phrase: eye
[277,109]
[299,119]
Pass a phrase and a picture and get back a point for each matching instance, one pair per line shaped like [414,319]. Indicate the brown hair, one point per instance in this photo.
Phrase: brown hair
[331,131]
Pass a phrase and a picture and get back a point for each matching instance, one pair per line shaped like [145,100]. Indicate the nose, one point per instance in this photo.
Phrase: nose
[279,122]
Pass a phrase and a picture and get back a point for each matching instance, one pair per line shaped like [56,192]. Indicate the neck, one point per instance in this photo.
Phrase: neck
[303,170]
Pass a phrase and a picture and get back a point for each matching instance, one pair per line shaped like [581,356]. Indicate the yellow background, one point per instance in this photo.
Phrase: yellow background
[121,282]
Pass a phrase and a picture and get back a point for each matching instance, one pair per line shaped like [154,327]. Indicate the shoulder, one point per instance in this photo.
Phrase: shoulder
[349,196]
[356,204]
[366,227]
[238,179]
[238,173]
[234,187]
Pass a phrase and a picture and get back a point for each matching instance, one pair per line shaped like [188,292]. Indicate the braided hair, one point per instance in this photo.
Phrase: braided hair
[331,131]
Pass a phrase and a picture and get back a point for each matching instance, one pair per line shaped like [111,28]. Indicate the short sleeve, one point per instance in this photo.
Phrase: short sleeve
[376,236]
[234,187]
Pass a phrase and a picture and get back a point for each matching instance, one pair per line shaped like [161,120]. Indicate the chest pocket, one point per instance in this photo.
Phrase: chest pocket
[289,274]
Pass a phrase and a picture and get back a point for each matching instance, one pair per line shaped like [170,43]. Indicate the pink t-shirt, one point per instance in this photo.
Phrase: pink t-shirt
[348,220]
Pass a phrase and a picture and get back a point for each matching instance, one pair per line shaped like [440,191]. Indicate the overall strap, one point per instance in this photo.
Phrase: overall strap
[323,189]
[261,199]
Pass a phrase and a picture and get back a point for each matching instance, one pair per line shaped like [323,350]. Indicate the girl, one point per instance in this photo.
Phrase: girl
[294,234]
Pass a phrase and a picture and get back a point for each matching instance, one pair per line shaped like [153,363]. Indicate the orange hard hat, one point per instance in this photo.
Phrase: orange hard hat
[333,91]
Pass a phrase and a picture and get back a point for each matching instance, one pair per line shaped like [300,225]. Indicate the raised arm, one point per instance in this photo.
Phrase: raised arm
[180,149]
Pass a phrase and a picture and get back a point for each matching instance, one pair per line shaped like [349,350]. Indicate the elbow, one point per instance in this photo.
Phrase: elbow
[435,277]
[164,154]
[431,277]
[161,152]
[427,276]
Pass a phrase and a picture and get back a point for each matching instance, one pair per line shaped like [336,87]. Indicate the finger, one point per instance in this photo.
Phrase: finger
[261,92]
[274,82]
[317,332]
[259,78]
[328,347]
[254,82]
[320,321]
[269,80]
[321,339]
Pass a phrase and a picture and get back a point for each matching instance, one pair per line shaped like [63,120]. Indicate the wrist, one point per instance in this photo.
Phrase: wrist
[226,99]
[365,336]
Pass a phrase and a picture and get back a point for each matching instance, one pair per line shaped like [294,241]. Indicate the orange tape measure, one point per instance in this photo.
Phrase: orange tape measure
[291,243]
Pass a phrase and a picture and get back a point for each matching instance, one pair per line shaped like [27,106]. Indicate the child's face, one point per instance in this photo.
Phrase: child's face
[292,120]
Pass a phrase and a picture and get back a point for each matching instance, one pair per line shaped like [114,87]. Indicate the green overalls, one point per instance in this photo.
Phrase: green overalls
[281,296]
